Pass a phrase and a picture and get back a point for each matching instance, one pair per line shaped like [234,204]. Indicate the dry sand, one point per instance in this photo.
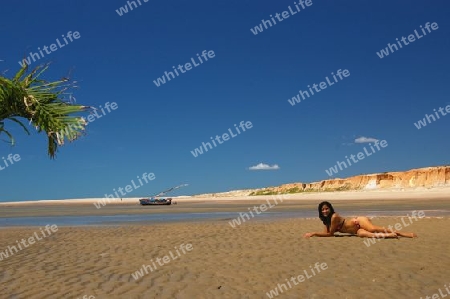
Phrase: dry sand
[243,262]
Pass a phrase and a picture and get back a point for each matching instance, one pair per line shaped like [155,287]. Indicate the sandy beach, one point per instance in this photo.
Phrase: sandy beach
[305,158]
[245,262]
[248,261]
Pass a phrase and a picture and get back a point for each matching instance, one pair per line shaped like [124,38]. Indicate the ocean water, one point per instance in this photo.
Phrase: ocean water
[183,217]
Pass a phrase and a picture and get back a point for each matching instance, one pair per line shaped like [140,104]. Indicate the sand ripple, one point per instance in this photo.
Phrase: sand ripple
[245,262]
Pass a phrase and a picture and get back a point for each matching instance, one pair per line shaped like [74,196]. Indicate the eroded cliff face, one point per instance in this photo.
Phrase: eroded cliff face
[428,177]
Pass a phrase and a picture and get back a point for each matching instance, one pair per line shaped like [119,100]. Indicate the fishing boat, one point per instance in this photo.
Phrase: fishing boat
[152,201]
[158,200]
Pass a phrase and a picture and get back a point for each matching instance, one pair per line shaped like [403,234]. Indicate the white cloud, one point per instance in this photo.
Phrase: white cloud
[365,140]
[262,166]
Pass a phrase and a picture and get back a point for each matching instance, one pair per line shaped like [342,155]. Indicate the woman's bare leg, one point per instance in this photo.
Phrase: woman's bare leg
[366,234]
[367,224]
[406,235]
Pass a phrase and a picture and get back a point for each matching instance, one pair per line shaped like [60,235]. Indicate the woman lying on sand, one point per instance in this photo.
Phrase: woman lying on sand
[360,226]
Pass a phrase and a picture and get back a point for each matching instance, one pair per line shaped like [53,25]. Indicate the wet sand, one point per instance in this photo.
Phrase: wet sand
[247,261]
[364,202]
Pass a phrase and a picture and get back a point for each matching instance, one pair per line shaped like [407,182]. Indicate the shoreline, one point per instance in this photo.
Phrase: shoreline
[381,194]
[207,210]
[234,221]
[81,212]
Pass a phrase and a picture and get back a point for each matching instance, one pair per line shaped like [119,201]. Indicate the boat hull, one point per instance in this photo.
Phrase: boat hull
[148,202]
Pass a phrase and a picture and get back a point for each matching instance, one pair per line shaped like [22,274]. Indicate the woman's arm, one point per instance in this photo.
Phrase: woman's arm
[308,235]
[326,233]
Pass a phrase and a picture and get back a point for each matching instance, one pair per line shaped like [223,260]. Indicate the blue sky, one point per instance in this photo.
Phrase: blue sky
[250,78]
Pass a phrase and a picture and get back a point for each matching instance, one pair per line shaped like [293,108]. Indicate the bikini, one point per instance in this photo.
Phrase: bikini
[356,223]
[340,226]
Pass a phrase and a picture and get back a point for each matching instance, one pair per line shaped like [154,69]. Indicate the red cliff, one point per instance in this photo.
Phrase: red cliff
[428,177]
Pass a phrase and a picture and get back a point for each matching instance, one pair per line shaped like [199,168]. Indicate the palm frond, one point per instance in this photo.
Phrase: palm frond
[40,102]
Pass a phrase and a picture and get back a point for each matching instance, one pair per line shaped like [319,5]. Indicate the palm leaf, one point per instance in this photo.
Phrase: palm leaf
[40,102]
[2,130]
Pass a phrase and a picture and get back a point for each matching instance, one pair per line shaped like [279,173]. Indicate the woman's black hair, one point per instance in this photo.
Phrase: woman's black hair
[326,220]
